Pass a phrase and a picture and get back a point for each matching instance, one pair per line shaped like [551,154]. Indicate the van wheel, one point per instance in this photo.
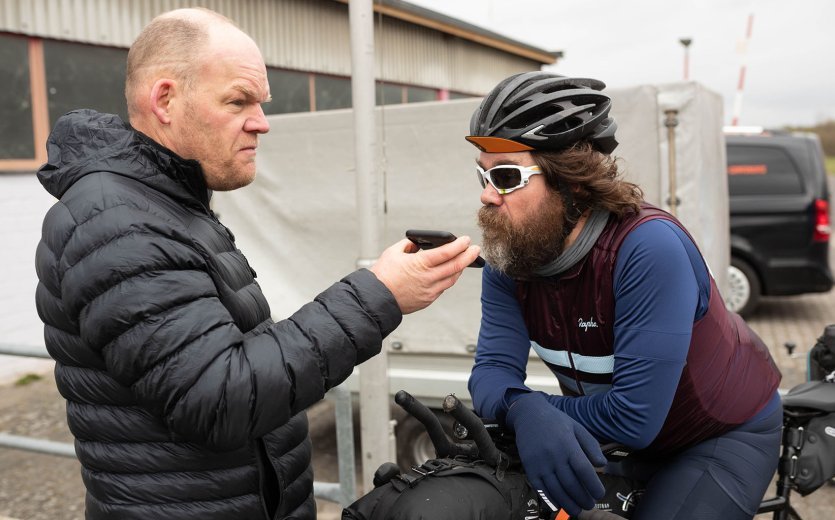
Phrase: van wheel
[744,288]
[414,447]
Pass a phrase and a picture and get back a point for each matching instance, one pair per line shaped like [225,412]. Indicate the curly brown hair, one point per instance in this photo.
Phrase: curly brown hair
[593,177]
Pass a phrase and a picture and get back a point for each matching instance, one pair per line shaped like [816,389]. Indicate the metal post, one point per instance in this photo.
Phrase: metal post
[374,388]
[24,350]
[671,121]
[64,449]
[345,443]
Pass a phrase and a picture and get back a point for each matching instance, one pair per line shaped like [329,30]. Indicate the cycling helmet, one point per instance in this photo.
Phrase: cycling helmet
[543,111]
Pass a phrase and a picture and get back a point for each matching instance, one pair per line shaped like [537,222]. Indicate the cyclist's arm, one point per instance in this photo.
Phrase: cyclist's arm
[503,347]
[661,287]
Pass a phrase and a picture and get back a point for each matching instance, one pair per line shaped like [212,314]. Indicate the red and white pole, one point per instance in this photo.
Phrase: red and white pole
[686,43]
[743,50]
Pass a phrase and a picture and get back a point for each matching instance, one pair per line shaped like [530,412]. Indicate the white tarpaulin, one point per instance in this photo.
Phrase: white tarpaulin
[297,223]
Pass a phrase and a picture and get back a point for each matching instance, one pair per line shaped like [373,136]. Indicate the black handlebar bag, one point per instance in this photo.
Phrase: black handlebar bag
[483,480]
[446,488]
[809,430]
[814,441]
[816,462]
[453,489]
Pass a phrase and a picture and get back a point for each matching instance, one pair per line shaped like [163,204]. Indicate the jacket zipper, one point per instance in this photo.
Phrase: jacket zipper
[269,482]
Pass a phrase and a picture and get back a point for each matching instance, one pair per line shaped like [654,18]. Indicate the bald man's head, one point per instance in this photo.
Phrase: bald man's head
[195,85]
[172,44]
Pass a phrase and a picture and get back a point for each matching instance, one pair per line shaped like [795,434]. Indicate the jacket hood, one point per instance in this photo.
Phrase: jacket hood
[86,141]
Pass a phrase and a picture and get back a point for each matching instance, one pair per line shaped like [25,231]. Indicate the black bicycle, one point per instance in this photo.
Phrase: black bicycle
[484,449]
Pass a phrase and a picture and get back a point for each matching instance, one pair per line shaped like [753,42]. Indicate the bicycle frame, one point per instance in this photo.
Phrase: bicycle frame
[802,404]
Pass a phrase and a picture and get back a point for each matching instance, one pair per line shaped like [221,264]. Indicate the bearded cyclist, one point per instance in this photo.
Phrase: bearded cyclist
[616,299]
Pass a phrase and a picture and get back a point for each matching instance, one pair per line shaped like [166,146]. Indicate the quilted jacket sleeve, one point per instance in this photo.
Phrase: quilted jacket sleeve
[130,285]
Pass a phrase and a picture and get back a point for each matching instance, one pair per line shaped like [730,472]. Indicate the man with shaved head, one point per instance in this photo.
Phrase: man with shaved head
[186,400]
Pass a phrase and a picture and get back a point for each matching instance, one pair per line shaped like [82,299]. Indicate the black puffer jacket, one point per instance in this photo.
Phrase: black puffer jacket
[186,400]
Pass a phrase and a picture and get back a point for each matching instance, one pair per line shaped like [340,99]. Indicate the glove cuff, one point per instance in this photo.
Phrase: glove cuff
[526,409]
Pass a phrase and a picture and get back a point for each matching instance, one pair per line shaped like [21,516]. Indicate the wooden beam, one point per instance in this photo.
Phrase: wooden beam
[40,101]
[19,165]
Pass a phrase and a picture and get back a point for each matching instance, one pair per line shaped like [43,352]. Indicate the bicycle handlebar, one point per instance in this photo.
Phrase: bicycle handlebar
[443,446]
[486,448]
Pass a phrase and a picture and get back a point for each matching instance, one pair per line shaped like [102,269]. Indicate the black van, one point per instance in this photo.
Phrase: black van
[779,217]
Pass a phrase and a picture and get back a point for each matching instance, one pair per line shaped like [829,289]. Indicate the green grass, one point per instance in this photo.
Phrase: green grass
[830,165]
[28,378]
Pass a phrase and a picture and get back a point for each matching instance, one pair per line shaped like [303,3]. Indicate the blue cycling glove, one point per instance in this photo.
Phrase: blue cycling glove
[558,454]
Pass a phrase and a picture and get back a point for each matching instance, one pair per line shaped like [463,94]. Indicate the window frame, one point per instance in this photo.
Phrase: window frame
[40,114]
[39,100]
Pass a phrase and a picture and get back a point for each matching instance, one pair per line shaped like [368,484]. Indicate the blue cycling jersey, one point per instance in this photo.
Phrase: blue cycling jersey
[656,304]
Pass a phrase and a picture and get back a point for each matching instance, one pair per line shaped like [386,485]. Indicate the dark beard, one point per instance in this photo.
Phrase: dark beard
[520,249]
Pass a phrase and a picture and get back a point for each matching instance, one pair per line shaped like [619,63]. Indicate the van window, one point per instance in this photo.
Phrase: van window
[762,170]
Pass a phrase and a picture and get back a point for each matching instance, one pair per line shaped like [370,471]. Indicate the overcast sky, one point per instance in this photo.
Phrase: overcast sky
[790,57]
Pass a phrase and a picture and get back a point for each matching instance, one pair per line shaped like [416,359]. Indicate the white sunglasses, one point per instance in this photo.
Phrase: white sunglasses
[506,177]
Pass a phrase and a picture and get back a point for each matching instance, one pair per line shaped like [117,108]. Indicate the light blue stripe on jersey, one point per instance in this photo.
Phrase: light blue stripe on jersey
[587,364]
[569,383]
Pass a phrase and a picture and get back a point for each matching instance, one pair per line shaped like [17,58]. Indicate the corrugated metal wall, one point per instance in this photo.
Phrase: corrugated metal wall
[310,35]
[413,54]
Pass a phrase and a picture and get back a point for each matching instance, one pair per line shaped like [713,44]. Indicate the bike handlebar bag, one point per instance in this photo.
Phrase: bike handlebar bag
[816,463]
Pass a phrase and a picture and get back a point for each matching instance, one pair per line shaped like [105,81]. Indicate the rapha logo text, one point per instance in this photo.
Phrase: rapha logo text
[586,325]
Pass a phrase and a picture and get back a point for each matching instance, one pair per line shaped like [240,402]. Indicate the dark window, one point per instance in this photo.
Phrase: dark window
[762,170]
[388,94]
[84,76]
[290,91]
[459,95]
[416,94]
[332,92]
[16,131]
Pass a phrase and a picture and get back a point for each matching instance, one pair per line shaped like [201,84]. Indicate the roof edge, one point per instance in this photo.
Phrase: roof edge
[453,26]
